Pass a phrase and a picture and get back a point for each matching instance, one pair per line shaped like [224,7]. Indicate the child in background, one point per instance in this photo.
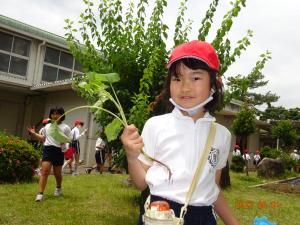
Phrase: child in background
[100,156]
[192,90]
[246,155]
[76,135]
[52,153]
[256,158]
[236,150]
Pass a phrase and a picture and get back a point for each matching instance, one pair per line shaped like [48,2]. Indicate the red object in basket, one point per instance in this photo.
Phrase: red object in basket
[160,205]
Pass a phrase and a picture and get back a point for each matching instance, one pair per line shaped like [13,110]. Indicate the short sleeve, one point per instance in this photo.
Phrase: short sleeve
[223,154]
[42,131]
[148,135]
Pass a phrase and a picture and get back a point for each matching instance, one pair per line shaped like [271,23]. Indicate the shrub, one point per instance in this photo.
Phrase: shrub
[237,163]
[288,161]
[269,152]
[18,159]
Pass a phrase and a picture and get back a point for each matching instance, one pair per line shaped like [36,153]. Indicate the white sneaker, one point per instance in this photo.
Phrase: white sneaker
[39,197]
[57,192]
[75,173]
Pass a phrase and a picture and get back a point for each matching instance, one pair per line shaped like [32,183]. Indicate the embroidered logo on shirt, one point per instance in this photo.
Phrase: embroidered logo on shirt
[213,157]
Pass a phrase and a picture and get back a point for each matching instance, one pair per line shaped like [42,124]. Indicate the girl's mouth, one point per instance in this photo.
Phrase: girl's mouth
[186,97]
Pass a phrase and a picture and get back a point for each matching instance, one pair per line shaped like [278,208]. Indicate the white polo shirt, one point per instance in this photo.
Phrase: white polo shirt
[49,140]
[178,141]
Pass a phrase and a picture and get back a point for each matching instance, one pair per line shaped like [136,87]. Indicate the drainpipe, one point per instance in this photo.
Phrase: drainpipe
[37,64]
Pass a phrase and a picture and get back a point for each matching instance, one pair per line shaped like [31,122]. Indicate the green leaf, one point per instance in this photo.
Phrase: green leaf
[57,134]
[103,77]
[113,129]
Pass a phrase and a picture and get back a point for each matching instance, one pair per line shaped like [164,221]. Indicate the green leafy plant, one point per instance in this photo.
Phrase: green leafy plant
[101,82]
[286,132]
[269,152]
[18,159]
[288,161]
[237,164]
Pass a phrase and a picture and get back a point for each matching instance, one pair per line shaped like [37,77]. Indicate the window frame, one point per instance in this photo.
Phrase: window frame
[58,66]
[12,54]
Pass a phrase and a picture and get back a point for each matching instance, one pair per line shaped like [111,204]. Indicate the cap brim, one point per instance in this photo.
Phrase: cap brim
[185,57]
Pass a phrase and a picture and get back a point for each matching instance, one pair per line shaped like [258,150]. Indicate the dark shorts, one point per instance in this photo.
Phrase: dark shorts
[53,154]
[195,215]
[100,156]
[75,144]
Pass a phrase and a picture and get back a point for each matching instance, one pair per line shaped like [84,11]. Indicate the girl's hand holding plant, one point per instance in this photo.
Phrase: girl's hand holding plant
[132,142]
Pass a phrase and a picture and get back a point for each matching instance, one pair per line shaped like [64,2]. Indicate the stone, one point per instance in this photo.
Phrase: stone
[270,168]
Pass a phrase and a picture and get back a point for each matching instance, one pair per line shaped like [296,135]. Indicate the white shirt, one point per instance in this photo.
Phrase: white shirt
[256,157]
[75,133]
[99,144]
[49,140]
[247,156]
[42,131]
[236,152]
[295,156]
[178,141]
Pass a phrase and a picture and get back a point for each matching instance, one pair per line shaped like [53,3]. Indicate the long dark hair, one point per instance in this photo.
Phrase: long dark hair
[162,105]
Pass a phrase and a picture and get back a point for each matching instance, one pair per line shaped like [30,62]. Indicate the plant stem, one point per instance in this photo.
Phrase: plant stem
[93,107]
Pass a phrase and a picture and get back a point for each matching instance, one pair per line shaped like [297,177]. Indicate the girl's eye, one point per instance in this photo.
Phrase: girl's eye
[196,78]
[176,79]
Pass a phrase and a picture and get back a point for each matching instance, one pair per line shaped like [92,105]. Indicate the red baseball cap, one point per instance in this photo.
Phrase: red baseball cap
[196,49]
[78,122]
[45,121]
[236,146]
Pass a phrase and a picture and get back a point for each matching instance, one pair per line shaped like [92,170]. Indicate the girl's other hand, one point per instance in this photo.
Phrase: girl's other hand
[31,130]
[132,142]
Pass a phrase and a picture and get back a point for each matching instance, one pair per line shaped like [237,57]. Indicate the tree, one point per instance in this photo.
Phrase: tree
[280,113]
[243,125]
[122,42]
[242,87]
[286,133]
[114,41]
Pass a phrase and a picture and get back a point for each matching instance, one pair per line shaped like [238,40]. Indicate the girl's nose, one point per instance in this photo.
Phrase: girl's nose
[186,86]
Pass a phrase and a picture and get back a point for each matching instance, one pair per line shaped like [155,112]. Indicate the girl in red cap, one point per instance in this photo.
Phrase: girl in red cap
[177,138]
[236,150]
[75,134]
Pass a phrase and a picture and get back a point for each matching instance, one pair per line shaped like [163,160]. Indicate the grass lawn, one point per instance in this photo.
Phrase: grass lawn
[93,199]
[248,202]
[104,200]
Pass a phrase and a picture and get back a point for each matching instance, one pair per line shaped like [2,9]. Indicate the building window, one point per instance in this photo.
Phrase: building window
[14,54]
[59,65]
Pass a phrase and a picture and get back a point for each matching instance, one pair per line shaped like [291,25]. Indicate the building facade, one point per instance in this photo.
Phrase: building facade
[36,72]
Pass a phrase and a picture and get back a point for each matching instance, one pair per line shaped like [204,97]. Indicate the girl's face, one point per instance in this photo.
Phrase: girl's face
[55,115]
[190,87]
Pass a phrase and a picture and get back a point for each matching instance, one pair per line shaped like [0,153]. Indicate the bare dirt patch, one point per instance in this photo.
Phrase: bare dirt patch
[288,186]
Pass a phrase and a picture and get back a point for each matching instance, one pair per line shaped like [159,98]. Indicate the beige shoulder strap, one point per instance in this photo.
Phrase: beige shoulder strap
[199,170]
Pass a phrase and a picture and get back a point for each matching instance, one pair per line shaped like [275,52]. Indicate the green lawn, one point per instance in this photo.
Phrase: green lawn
[104,200]
[93,199]
[247,202]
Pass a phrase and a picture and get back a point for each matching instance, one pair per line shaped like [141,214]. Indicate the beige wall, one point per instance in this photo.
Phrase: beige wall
[11,112]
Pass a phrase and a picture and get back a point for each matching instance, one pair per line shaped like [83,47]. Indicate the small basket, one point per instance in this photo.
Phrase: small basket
[154,217]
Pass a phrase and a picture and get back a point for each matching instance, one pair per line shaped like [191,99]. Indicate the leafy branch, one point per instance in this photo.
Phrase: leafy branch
[98,81]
